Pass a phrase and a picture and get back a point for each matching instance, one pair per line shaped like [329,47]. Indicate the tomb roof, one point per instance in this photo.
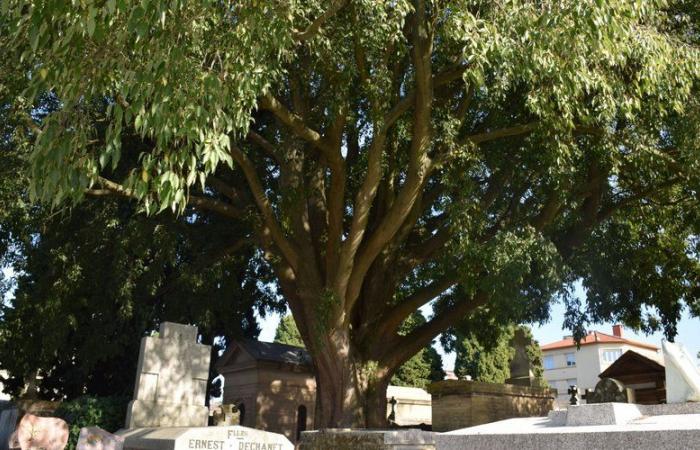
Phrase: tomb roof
[268,351]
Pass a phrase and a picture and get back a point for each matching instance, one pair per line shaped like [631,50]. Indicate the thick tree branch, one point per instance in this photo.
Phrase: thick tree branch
[315,25]
[419,162]
[394,317]
[286,247]
[297,125]
[202,203]
[403,347]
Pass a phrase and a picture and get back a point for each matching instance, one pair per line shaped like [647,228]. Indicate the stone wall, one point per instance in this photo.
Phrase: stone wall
[460,403]
[367,440]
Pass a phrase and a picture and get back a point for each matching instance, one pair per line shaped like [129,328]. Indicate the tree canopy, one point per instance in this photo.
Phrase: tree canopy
[480,155]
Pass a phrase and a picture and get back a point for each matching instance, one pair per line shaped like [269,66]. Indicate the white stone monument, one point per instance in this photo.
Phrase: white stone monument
[171,380]
[204,438]
[682,376]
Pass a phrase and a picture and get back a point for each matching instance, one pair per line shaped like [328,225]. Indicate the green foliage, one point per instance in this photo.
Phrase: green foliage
[92,279]
[107,413]
[288,333]
[424,367]
[487,359]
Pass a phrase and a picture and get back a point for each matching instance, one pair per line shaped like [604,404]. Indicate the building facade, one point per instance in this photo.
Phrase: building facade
[566,365]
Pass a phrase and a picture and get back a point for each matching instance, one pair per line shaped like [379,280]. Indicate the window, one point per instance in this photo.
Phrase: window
[301,421]
[548,362]
[611,355]
[241,414]
[570,359]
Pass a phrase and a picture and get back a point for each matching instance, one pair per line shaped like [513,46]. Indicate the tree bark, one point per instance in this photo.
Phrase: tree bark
[350,391]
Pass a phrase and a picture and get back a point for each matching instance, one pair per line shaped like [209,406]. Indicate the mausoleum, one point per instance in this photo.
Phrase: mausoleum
[274,388]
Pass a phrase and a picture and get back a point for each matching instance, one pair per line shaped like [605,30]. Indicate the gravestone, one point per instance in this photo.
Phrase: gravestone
[682,376]
[33,432]
[94,438]
[8,423]
[609,390]
[225,415]
[171,380]
[521,373]
[204,438]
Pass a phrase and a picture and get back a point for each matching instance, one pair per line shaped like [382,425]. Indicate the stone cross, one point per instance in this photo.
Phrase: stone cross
[609,390]
[521,373]
[392,415]
[171,380]
[573,391]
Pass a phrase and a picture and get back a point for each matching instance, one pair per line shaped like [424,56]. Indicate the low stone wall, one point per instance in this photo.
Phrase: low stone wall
[367,440]
[461,403]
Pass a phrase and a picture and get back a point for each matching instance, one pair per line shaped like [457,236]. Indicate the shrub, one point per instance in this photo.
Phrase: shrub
[107,413]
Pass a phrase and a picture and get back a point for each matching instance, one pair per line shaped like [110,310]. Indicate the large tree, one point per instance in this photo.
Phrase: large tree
[385,154]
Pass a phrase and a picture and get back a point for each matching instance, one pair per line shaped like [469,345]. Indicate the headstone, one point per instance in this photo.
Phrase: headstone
[8,423]
[602,414]
[171,380]
[204,438]
[682,376]
[94,438]
[48,433]
[226,415]
[521,373]
[609,390]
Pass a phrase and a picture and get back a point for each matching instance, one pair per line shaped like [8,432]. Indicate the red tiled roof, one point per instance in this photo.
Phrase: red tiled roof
[596,337]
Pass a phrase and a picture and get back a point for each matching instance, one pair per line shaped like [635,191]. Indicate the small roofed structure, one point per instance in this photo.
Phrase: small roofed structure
[645,376]
[274,389]
[271,384]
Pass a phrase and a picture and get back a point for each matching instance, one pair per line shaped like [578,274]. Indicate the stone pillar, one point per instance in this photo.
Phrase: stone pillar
[171,380]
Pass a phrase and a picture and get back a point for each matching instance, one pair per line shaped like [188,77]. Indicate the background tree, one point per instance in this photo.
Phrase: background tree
[287,332]
[487,359]
[90,280]
[422,368]
[484,155]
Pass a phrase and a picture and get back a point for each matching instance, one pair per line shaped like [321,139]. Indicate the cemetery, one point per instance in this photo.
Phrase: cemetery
[468,224]
[168,410]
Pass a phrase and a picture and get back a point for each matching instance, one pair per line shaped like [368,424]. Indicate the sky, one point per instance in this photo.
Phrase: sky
[688,332]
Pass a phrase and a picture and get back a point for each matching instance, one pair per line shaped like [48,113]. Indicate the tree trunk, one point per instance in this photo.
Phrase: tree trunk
[350,392]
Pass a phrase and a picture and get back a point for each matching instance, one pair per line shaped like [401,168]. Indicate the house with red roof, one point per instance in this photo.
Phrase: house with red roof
[567,364]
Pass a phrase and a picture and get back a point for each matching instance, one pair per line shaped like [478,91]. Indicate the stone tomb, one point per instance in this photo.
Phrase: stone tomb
[95,438]
[583,427]
[463,403]
[204,438]
[171,380]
